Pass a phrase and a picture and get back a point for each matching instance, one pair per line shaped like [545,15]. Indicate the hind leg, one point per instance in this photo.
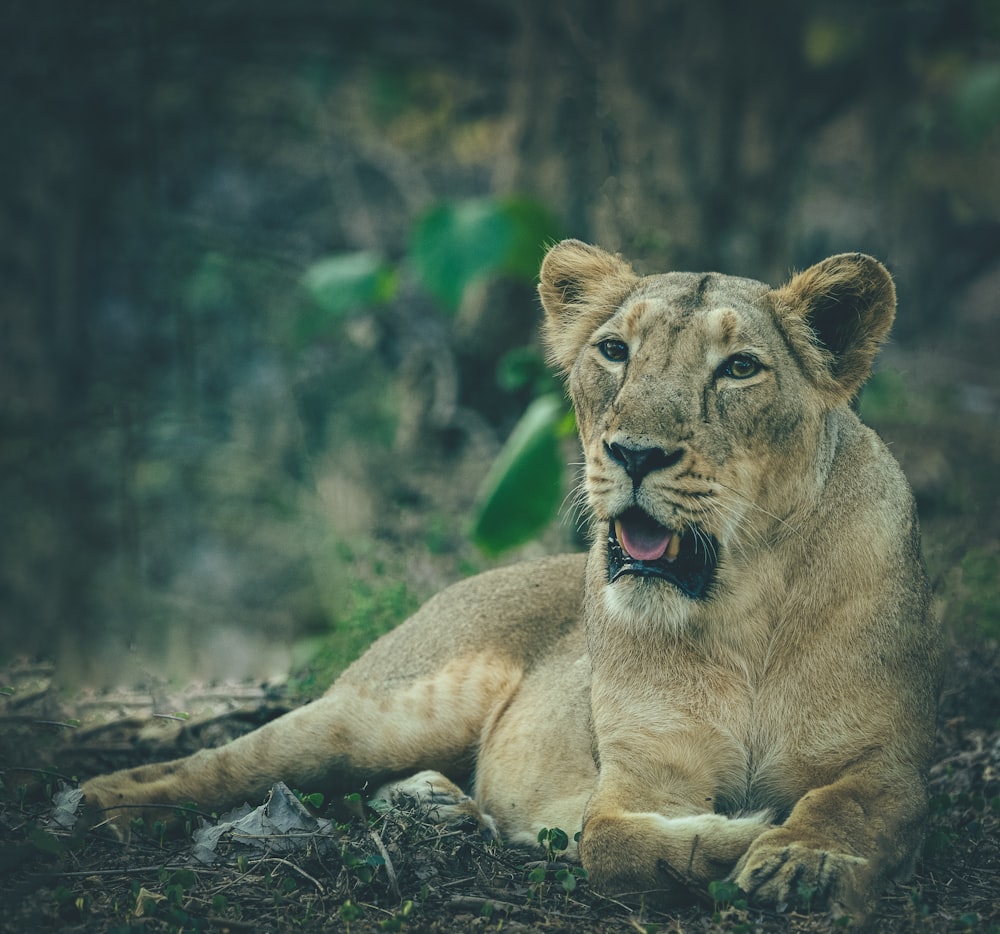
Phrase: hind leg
[357,733]
[420,698]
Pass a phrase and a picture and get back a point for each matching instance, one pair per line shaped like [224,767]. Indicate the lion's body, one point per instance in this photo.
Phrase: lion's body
[739,678]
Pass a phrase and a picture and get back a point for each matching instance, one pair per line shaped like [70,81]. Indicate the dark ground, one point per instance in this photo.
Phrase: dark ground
[396,872]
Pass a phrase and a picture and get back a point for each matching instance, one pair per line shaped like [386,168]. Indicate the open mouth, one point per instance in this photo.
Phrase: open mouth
[639,545]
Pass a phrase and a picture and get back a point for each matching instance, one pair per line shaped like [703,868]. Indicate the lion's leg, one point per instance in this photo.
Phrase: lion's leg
[645,855]
[359,732]
[419,698]
[651,830]
[535,767]
[839,840]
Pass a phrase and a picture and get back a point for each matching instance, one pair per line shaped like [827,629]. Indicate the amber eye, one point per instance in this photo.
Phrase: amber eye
[741,366]
[614,350]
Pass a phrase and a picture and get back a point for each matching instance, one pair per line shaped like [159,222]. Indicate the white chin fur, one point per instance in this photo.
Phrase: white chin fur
[651,603]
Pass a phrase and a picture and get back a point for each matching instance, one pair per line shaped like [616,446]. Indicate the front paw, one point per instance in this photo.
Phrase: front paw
[664,860]
[788,874]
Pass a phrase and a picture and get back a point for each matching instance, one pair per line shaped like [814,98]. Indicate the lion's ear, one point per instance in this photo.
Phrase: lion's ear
[580,287]
[837,314]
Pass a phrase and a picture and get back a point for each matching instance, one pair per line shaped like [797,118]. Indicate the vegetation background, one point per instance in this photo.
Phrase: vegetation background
[266,309]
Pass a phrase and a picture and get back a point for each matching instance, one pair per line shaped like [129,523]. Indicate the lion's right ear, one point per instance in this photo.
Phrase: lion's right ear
[580,287]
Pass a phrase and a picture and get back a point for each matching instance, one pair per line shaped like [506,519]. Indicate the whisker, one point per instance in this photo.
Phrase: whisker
[749,502]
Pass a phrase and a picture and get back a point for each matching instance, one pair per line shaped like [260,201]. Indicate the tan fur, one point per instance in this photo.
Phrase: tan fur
[774,728]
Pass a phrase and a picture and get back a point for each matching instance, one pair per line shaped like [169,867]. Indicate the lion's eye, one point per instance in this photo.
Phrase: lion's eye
[614,350]
[741,366]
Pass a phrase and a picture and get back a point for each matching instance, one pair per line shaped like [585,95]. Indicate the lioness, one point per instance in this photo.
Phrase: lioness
[738,680]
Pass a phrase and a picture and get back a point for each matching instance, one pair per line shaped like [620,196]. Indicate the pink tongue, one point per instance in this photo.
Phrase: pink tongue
[642,538]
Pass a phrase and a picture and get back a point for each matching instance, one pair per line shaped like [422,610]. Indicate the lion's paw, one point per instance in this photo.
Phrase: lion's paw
[442,801]
[793,875]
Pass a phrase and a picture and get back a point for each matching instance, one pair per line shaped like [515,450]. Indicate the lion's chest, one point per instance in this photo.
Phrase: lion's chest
[772,740]
[745,740]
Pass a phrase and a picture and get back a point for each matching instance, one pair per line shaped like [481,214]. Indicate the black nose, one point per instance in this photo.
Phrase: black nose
[640,462]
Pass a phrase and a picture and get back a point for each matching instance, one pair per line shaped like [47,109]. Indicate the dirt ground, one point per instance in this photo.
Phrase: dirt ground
[395,871]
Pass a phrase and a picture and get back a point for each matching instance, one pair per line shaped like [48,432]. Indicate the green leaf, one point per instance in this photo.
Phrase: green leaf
[314,800]
[455,244]
[537,875]
[344,284]
[722,891]
[936,843]
[567,880]
[184,878]
[350,912]
[521,492]
[558,840]
[533,228]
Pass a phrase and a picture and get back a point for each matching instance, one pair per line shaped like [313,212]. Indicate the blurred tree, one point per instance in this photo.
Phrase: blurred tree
[183,453]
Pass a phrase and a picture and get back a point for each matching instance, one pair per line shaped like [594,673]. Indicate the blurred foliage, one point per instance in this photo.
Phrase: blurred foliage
[885,397]
[452,246]
[351,281]
[977,102]
[978,591]
[191,426]
[522,491]
[366,611]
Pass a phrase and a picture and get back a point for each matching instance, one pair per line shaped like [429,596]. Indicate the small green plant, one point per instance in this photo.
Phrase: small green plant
[363,868]
[728,906]
[917,909]
[537,882]
[397,922]
[314,800]
[349,912]
[555,841]
[805,894]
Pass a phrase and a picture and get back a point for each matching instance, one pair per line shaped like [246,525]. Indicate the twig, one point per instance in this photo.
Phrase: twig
[389,869]
[290,865]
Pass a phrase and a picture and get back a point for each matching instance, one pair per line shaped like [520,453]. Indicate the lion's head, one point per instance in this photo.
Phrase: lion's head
[703,401]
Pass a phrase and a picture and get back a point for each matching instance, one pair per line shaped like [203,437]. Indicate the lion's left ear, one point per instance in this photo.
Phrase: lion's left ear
[837,314]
